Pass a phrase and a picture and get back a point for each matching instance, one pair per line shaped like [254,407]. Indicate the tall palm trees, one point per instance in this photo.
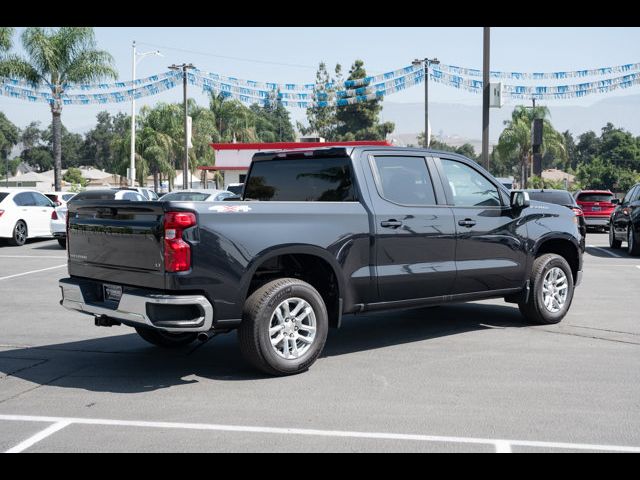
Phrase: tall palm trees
[515,139]
[54,59]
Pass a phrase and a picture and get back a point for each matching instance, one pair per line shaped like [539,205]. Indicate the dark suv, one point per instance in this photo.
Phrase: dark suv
[625,222]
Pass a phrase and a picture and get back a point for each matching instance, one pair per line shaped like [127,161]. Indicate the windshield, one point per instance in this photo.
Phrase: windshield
[559,198]
[595,197]
[186,197]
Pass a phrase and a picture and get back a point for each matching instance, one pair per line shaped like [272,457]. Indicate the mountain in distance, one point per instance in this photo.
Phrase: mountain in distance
[458,123]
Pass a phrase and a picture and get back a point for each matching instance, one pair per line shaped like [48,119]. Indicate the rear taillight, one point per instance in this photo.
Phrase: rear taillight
[177,252]
[1,212]
[578,212]
[54,215]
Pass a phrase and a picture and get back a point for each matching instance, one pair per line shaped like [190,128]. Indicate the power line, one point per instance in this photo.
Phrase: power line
[227,56]
[250,60]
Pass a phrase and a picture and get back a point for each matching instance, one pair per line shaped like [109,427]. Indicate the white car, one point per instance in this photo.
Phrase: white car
[59,198]
[24,214]
[147,193]
[59,225]
[201,195]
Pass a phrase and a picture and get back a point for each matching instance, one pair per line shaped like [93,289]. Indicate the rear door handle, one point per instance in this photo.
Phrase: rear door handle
[467,222]
[390,223]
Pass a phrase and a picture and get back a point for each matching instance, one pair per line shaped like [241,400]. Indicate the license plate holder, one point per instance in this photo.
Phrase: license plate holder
[111,293]
[595,209]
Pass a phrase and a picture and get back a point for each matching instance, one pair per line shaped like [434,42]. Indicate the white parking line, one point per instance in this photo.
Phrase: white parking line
[50,430]
[32,256]
[500,445]
[608,252]
[33,271]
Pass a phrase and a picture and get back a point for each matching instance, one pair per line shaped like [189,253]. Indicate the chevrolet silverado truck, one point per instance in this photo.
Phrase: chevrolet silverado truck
[317,234]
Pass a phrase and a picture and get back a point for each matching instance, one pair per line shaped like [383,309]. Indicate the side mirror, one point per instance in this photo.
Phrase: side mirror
[519,199]
[615,201]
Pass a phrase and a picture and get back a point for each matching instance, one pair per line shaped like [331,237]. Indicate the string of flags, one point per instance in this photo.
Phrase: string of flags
[339,93]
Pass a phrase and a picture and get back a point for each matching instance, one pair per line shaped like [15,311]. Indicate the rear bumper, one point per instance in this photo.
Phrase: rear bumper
[142,309]
[596,221]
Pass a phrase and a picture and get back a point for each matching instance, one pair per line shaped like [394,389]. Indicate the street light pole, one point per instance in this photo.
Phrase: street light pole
[427,62]
[185,163]
[135,58]
[485,95]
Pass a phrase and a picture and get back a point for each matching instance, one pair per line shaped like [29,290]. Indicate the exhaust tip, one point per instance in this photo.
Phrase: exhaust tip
[203,336]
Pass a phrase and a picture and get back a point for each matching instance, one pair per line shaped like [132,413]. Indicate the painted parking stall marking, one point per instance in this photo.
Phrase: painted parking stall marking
[33,271]
[500,445]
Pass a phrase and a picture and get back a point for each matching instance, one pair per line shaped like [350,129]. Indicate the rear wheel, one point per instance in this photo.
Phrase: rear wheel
[166,339]
[284,327]
[62,242]
[613,243]
[551,290]
[20,234]
[633,245]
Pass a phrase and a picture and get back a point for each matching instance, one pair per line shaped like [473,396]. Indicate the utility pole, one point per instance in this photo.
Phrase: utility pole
[427,62]
[485,95]
[135,58]
[185,163]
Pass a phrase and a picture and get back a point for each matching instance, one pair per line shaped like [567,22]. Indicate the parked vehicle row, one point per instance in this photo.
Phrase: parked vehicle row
[27,213]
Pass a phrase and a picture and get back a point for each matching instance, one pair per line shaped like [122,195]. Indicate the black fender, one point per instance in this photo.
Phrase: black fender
[289,249]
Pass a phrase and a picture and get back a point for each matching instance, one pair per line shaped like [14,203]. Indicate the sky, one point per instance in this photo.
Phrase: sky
[291,55]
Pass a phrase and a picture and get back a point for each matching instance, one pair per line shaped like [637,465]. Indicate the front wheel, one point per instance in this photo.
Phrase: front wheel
[166,339]
[284,327]
[613,243]
[551,290]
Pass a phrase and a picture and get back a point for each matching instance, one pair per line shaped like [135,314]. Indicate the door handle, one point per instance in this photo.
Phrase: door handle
[467,222]
[392,223]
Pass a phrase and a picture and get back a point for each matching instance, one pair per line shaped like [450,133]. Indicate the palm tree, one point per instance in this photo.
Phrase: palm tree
[515,139]
[5,38]
[54,59]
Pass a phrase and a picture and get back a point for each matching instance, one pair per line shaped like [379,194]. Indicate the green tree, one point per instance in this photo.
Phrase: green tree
[54,59]
[96,148]
[9,136]
[587,148]
[322,120]
[515,140]
[619,146]
[74,176]
[597,174]
[360,121]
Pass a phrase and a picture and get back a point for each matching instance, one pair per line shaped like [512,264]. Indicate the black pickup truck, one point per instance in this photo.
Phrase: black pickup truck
[317,234]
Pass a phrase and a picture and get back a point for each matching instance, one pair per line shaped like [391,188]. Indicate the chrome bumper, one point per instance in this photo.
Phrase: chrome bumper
[132,309]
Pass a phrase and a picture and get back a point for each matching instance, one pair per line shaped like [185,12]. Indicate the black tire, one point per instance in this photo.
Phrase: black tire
[534,310]
[20,234]
[613,242]
[166,339]
[62,242]
[633,242]
[253,334]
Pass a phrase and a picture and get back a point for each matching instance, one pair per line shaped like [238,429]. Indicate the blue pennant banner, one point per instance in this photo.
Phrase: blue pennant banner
[591,72]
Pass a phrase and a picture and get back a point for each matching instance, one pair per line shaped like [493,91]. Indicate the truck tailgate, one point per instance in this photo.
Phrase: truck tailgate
[108,238]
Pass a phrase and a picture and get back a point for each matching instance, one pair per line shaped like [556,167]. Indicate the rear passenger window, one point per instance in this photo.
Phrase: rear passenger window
[24,199]
[301,180]
[404,180]
[468,187]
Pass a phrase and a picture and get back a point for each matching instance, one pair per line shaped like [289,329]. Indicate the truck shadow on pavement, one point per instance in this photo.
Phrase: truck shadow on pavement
[603,252]
[127,364]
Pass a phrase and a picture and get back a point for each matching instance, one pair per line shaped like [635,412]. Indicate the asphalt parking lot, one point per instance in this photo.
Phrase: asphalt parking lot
[470,377]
